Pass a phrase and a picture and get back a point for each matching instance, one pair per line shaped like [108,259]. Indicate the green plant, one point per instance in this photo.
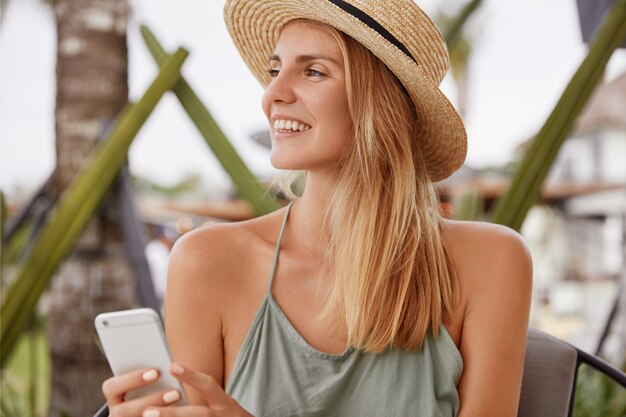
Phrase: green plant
[453,31]
[598,396]
[12,249]
[244,181]
[469,206]
[511,209]
[24,383]
[76,207]
[3,215]
[192,183]
[10,405]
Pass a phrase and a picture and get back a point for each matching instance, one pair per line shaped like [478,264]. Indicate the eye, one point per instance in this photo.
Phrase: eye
[314,73]
[272,72]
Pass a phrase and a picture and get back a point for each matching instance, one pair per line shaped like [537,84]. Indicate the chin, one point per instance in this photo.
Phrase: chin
[287,162]
[301,161]
[287,165]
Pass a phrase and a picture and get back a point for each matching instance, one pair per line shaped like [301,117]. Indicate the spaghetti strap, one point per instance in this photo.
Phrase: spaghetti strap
[280,239]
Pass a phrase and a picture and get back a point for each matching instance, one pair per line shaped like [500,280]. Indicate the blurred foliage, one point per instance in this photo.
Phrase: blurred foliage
[459,42]
[24,383]
[10,398]
[597,395]
[3,215]
[297,185]
[469,205]
[245,182]
[512,207]
[75,208]
[460,57]
[13,249]
[192,183]
[453,28]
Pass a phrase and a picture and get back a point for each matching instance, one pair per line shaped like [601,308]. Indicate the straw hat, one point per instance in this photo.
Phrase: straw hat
[398,32]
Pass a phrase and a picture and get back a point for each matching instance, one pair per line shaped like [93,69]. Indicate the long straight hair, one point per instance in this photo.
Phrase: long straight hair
[393,282]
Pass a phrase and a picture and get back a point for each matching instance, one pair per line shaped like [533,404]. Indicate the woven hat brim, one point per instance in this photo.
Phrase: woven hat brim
[256,25]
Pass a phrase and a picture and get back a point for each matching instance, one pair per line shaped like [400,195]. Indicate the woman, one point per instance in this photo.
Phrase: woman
[378,306]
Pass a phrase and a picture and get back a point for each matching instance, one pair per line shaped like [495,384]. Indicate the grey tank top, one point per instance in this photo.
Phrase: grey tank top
[277,373]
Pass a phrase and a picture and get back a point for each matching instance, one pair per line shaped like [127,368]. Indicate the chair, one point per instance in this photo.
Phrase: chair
[550,371]
[549,381]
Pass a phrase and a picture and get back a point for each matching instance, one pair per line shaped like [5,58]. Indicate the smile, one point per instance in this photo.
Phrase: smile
[282,125]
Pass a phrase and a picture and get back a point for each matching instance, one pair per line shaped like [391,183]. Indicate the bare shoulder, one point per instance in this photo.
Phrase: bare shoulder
[203,252]
[465,234]
[483,251]
[221,255]
[213,271]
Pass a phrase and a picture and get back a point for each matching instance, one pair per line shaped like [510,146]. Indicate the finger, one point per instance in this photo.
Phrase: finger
[182,411]
[116,387]
[205,384]
[137,406]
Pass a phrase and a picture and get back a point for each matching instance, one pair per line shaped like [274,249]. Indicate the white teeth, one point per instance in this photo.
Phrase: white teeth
[290,125]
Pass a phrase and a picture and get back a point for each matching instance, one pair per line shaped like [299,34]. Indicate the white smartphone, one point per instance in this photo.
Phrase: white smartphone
[134,339]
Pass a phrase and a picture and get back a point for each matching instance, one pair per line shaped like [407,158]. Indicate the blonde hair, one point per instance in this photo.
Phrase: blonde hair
[393,281]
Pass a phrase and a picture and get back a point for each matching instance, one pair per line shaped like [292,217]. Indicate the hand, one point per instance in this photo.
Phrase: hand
[219,403]
[115,390]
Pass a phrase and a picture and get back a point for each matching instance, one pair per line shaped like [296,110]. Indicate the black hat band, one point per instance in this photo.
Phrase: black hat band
[373,24]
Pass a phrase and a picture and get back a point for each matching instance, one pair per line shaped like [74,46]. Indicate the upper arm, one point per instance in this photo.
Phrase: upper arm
[194,303]
[497,282]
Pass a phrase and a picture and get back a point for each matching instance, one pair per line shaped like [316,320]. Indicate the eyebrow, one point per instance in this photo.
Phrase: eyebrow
[306,58]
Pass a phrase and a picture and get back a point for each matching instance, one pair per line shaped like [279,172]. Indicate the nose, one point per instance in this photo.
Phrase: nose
[280,89]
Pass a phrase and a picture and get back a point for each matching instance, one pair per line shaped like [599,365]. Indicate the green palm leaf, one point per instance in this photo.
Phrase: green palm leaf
[511,209]
[76,207]
[245,182]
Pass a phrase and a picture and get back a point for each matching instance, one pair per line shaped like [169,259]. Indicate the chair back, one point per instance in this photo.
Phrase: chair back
[549,376]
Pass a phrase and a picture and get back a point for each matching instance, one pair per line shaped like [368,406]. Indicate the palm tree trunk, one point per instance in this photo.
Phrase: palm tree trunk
[92,88]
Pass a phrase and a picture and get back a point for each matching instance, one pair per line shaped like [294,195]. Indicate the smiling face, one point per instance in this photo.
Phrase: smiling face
[306,102]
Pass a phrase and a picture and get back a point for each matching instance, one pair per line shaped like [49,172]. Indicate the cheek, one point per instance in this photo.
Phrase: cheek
[338,117]
[265,105]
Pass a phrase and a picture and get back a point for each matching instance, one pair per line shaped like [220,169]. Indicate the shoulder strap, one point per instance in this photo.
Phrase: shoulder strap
[280,239]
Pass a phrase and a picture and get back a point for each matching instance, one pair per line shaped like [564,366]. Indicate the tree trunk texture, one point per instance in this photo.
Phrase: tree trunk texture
[92,88]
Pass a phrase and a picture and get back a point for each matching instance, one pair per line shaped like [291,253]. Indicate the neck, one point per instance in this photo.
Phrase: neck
[310,209]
